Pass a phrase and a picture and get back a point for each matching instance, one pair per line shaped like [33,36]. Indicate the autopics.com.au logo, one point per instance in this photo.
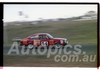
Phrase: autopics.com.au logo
[67,54]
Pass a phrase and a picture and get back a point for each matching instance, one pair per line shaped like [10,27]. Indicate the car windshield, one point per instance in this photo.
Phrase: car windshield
[50,36]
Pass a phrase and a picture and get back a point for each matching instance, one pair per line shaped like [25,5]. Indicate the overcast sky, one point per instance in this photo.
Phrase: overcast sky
[36,12]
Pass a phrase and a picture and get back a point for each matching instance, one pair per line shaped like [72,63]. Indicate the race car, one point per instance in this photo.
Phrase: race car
[43,39]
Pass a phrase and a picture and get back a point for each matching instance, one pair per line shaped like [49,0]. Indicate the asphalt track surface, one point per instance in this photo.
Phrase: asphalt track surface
[88,49]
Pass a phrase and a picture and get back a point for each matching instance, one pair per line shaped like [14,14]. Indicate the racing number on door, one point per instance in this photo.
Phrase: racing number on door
[44,43]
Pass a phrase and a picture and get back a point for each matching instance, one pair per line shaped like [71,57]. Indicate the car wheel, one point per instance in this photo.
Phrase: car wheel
[58,45]
[30,46]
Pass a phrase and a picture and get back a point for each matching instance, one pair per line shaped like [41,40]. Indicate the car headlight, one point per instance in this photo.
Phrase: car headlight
[66,41]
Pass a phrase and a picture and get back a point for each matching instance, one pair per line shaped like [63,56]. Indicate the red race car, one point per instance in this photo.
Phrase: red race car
[43,39]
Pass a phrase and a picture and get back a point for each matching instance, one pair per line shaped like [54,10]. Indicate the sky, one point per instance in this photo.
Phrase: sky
[33,12]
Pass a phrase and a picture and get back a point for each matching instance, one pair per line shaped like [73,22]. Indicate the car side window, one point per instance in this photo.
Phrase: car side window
[43,37]
[35,37]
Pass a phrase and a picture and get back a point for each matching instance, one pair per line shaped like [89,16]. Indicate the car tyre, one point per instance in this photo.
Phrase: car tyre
[58,46]
[30,46]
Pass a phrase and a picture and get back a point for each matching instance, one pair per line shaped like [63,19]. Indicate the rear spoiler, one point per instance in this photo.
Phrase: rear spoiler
[16,40]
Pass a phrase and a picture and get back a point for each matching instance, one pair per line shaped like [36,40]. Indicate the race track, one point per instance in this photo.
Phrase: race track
[89,49]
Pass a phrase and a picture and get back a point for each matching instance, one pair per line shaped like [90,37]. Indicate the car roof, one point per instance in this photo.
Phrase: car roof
[37,34]
[40,34]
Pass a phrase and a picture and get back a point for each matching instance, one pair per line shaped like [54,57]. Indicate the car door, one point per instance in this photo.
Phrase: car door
[44,40]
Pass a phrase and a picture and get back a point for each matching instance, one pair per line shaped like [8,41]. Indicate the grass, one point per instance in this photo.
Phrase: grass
[42,61]
[77,32]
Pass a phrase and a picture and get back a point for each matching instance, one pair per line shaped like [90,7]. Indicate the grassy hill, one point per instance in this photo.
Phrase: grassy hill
[77,32]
